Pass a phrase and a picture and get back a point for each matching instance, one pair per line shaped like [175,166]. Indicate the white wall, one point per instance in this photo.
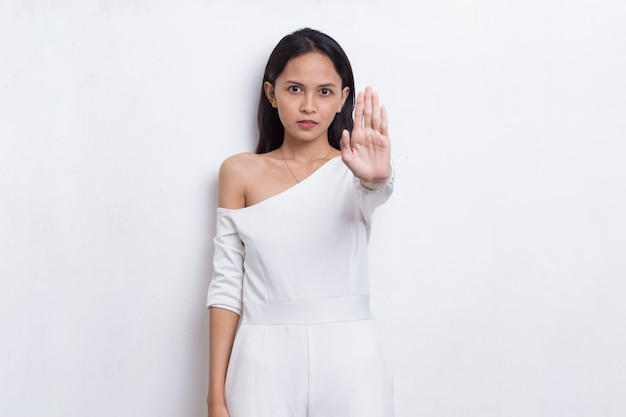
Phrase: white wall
[498,267]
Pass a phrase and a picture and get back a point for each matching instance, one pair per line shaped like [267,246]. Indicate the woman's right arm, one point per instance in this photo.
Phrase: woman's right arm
[223,325]
[225,290]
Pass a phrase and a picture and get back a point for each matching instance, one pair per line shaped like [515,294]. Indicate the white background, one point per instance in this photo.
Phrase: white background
[498,267]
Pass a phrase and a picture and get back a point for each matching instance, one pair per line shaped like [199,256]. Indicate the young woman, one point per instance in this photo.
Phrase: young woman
[290,256]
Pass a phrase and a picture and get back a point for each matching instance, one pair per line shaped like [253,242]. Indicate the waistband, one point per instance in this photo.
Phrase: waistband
[325,310]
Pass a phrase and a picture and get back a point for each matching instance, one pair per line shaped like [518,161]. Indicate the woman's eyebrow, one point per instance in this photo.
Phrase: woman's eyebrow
[326,85]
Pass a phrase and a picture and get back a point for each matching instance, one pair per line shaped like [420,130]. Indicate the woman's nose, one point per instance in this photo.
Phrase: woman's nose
[308,104]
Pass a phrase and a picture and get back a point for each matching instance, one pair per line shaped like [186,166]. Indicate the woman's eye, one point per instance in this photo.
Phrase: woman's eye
[294,88]
[325,91]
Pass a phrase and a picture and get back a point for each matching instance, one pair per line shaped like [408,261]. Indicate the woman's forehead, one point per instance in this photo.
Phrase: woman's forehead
[310,68]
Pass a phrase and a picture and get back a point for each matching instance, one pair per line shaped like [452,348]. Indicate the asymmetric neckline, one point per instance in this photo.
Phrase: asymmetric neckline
[286,190]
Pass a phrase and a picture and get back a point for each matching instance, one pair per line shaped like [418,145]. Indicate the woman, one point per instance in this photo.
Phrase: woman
[291,247]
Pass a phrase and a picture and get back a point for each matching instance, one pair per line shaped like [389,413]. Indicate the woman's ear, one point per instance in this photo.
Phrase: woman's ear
[344,96]
[269,93]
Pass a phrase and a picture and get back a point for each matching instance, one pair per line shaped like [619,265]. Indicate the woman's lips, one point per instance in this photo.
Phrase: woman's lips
[306,124]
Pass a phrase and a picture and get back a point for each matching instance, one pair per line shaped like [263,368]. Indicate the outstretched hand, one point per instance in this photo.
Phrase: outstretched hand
[367,152]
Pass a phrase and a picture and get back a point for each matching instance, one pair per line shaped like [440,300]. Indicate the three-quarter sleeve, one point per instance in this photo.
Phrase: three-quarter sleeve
[225,289]
[370,199]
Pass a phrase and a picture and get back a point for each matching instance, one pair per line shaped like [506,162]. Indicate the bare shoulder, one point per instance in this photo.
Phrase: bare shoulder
[235,165]
[236,173]
[244,165]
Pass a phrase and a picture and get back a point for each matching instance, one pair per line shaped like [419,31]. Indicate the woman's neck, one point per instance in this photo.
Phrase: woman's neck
[306,151]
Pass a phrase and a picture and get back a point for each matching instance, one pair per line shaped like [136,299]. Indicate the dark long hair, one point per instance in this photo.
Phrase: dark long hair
[271,130]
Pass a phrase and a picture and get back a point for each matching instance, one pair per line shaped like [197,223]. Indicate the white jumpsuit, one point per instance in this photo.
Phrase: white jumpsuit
[294,267]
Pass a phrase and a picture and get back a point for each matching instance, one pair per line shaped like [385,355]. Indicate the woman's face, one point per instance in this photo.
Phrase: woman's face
[308,95]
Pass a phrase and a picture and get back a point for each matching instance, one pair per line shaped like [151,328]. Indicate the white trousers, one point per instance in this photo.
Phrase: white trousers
[317,358]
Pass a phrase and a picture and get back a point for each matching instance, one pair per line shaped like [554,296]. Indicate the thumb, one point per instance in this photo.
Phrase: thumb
[344,143]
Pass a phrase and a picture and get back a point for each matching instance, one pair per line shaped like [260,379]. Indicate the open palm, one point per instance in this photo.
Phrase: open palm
[367,151]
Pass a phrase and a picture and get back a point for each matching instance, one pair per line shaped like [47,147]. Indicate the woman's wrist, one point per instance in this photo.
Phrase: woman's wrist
[375,183]
[216,398]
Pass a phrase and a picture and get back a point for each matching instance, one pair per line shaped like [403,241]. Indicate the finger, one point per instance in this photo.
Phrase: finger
[367,108]
[358,112]
[375,112]
[384,124]
[344,142]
